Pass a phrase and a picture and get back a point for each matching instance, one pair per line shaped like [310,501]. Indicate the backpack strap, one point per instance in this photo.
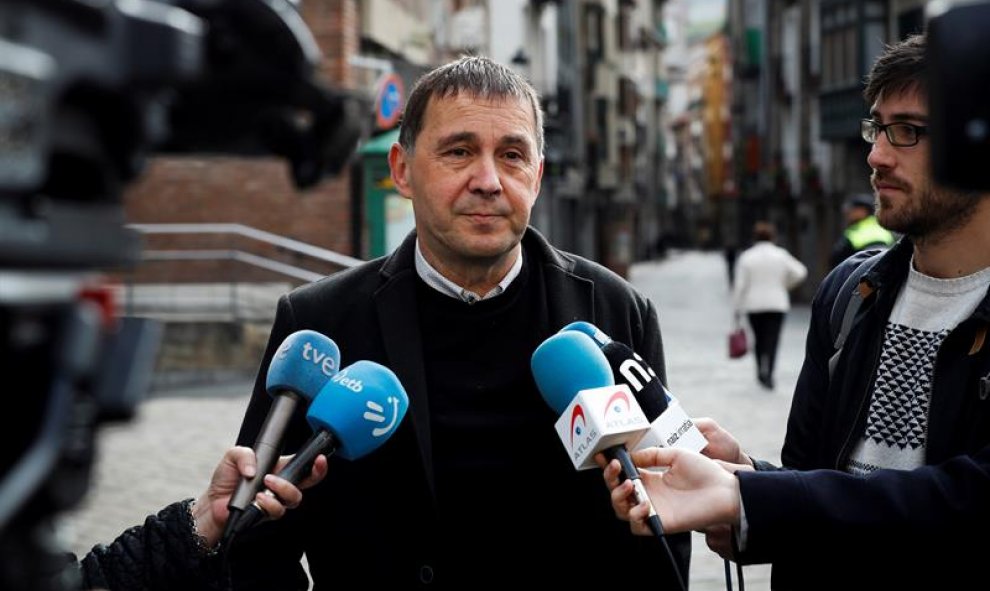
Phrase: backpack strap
[851,295]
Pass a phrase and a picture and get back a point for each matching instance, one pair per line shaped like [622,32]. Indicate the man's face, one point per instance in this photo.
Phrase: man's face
[473,178]
[907,200]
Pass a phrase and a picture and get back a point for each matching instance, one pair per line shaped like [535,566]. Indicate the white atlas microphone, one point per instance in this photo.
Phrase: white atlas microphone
[670,426]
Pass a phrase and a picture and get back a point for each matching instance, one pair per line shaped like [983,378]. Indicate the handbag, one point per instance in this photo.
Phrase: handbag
[738,344]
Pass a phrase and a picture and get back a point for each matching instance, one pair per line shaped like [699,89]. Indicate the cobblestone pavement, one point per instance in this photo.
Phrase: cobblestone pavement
[691,291]
[169,450]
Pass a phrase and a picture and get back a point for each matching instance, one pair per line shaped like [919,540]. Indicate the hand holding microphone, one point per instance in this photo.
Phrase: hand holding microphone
[572,373]
[574,378]
[210,512]
[693,492]
[352,415]
[304,362]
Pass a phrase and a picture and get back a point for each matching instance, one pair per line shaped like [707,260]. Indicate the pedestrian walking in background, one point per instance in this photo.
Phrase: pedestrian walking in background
[862,229]
[730,253]
[887,445]
[765,274]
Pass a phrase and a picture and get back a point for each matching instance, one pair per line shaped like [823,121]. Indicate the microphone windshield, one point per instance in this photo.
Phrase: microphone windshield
[589,329]
[303,363]
[567,363]
[628,368]
[362,405]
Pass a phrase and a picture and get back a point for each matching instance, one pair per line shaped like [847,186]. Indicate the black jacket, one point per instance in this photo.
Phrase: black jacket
[892,529]
[163,554]
[373,522]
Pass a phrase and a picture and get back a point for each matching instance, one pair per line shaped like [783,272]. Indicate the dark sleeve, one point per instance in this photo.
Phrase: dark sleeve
[162,554]
[651,346]
[831,512]
[268,556]
[812,389]
[805,419]
[841,250]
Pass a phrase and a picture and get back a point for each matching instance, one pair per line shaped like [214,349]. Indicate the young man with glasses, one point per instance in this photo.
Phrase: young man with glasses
[888,450]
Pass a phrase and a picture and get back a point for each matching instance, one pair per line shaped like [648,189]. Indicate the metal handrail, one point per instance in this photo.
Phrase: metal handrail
[231,255]
[254,233]
[237,255]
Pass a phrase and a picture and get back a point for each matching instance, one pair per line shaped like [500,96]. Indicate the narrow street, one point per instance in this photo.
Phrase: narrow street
[169,450]
[691,291]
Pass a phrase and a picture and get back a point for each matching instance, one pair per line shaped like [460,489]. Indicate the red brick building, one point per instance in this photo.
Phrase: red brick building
[256,192]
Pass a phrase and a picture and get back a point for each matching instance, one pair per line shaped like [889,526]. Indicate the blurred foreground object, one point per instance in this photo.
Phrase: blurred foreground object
[87,90]
[959,82]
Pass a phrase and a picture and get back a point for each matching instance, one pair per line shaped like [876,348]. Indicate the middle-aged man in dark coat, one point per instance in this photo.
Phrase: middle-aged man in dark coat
[457,311]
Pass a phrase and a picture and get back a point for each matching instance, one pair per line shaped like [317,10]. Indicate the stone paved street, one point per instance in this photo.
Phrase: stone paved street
[168,452]
[691,291]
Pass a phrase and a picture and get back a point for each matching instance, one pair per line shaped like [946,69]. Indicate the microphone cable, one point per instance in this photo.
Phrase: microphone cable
[739,568]
[728,576]
[629,471]
[657,528]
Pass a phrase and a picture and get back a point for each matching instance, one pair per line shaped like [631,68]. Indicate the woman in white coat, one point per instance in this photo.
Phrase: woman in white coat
[765,274]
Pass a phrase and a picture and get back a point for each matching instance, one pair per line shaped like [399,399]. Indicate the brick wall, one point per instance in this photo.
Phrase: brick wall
[198,353]
[336,26]
[257,192]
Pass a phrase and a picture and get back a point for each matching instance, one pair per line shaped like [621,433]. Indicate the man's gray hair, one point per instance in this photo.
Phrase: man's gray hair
[476,76]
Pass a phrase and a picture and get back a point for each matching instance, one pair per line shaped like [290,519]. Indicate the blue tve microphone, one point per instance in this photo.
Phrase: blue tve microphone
[304,362]
[353,415]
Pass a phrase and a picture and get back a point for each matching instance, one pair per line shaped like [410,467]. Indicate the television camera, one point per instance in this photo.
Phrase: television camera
[959,112]
[88,90]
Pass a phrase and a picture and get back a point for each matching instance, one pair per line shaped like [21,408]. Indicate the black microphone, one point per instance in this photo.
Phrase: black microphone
[630,369]
[669,424]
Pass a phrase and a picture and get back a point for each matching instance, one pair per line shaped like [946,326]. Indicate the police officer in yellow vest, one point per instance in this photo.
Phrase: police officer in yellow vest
[862,229]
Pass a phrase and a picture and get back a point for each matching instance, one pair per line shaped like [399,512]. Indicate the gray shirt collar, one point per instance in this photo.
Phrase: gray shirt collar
[434,279]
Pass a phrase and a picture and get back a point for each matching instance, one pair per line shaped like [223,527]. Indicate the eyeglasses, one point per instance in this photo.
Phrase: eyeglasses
[900,134]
